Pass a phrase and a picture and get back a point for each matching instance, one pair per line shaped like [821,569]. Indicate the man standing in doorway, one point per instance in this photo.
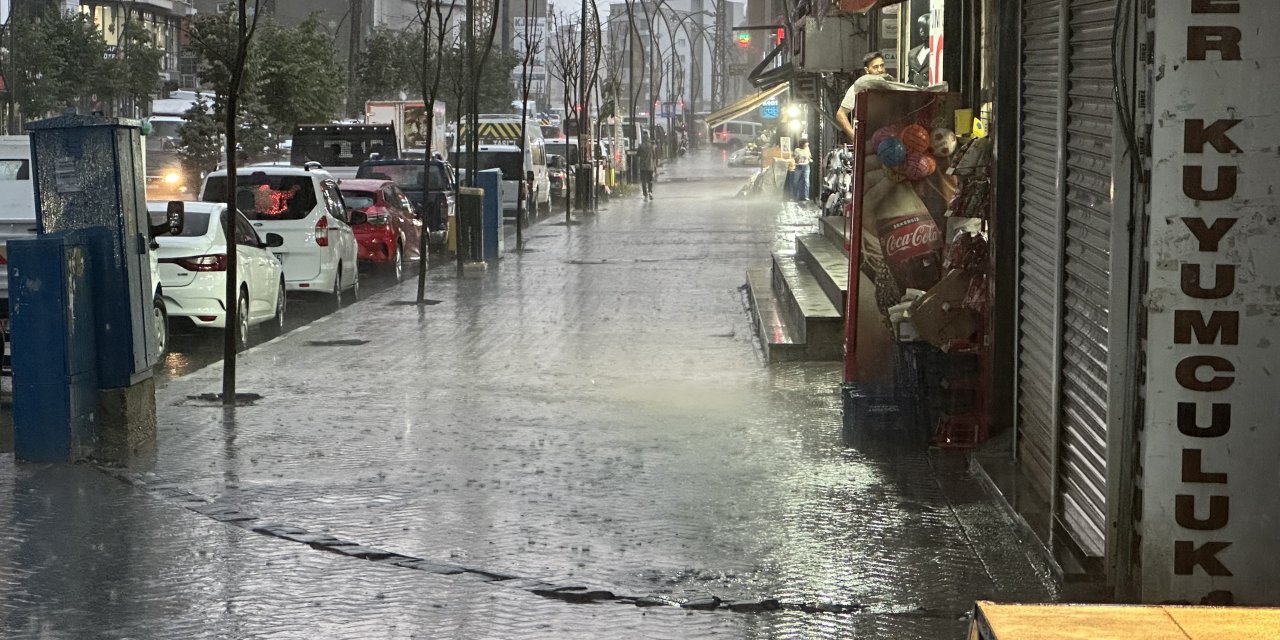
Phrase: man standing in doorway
[873,76]
[648,166]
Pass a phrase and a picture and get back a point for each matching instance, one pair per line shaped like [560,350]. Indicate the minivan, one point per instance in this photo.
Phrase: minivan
[302,205]
[523,177]
[735,134]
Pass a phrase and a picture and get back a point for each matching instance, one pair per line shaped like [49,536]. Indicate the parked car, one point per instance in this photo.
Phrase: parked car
[559,174]
[192,266]
[434,203]
[304,207]
[748,156]
[391,233]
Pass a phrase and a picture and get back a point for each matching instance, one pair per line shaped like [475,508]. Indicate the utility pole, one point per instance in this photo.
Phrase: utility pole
[718,66]
[353,52]
[585,145]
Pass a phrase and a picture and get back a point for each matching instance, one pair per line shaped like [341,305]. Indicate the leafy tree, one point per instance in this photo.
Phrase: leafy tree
[384,68]
[200,136]
[295,76]
[134,71]
[59,61]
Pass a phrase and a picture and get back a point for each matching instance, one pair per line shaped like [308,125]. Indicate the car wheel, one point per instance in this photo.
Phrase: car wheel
[161,318]
[276,326]
[355,289]
[335,301]
[242,321]
[395,268]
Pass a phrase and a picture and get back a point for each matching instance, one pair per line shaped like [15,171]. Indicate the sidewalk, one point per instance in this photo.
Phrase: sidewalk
[588,422]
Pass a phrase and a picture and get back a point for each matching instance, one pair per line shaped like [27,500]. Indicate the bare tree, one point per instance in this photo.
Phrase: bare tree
[532,47]
[563,56]
[435,30]
[232,55]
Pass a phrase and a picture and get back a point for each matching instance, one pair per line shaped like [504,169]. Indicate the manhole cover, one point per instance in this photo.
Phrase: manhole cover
[336,343]
[413,303]
[215,399]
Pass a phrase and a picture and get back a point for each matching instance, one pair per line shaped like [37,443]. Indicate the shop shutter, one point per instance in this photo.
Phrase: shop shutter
[1087,282]
[1038,241]
[1065,263]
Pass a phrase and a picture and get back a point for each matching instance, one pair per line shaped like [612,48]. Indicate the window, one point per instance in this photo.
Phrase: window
[194,224]
[245,234]
[333,200]
[15,169]
[266,197]
[359,200]
[510,162]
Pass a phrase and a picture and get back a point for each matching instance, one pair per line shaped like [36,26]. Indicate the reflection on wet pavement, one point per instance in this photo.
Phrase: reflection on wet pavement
[592,414]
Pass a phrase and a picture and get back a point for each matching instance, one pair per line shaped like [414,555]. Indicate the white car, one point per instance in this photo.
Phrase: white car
[193,271]
[304,207]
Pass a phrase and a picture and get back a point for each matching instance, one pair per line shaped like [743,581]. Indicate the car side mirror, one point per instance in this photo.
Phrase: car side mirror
[175,218]
[356,217]
[274,240]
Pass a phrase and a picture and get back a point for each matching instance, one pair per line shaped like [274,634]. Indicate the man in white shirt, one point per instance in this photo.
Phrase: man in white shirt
[873,77]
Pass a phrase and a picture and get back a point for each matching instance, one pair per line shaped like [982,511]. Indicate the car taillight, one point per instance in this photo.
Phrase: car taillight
[212,262]
[322,231]
[381,218]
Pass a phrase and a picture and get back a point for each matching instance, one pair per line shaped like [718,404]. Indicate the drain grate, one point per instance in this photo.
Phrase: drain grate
[336,343]
[413,303]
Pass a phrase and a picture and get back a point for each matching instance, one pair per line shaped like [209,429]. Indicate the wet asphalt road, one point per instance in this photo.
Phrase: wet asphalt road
[590,421]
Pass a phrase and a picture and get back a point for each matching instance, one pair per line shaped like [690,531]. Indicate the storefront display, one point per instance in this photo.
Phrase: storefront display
[917,303]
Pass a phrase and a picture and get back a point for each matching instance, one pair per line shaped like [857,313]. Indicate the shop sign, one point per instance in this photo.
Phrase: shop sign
[1210,497]
[770,110]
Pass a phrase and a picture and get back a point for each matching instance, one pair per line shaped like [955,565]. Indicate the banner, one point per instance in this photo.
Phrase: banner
[1210,472]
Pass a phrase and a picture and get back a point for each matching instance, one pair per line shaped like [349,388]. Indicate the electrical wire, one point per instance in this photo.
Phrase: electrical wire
[1120,92]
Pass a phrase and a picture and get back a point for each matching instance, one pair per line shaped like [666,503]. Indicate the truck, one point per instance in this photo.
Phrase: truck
[410,120]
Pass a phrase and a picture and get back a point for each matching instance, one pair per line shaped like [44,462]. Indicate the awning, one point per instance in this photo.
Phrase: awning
[744,105]
[863,6]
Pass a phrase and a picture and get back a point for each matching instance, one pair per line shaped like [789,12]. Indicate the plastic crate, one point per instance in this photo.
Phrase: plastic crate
[960,432]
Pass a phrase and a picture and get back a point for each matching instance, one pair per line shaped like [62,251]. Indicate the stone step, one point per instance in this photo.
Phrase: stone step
[833,227]
[806,306]
[828,264]
[778,338]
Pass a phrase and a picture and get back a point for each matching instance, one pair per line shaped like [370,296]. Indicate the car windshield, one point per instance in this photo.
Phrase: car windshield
[407,176]
[194,225]
[568,151]
[359,199]
[508,161]
[266,197]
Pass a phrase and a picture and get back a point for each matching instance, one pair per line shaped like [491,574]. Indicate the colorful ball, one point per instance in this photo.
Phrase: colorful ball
[891,152]
[919,166]
[884,133]
[943,142]
[915,138]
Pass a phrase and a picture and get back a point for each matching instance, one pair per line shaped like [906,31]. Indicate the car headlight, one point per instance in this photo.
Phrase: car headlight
[379,219]
[172,177]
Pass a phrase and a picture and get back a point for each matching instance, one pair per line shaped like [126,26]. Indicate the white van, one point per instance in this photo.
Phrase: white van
[302,205]
[498,150]
[735,134]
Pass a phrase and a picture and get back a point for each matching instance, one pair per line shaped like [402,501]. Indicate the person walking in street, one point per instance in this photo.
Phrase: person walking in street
[648,166]
[803,158]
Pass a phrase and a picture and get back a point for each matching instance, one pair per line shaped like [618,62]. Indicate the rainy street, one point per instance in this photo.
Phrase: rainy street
[583,441]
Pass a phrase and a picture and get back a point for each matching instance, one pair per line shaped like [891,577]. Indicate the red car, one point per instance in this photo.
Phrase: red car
[391,234]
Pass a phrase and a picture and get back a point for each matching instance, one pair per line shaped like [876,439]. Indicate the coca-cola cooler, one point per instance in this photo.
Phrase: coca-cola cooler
[899,304]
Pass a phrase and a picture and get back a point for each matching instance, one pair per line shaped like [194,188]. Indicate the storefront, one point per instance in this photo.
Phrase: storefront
[1104,267]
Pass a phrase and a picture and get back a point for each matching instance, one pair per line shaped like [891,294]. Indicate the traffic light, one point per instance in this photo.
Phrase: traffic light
[782,33]
[743,38]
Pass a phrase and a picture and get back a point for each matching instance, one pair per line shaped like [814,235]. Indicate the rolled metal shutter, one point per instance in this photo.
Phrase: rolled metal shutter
[1038,241]
[1087,277]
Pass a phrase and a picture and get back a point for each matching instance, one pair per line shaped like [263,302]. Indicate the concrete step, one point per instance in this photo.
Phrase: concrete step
[778,338]
[833,227]
[805,306]
[828,264]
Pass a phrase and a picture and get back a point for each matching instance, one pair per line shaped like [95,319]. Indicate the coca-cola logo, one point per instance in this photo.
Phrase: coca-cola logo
[911,239]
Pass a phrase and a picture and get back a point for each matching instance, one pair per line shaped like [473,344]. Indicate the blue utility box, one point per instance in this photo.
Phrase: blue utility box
[491,181]
[55,391]
[89,174]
